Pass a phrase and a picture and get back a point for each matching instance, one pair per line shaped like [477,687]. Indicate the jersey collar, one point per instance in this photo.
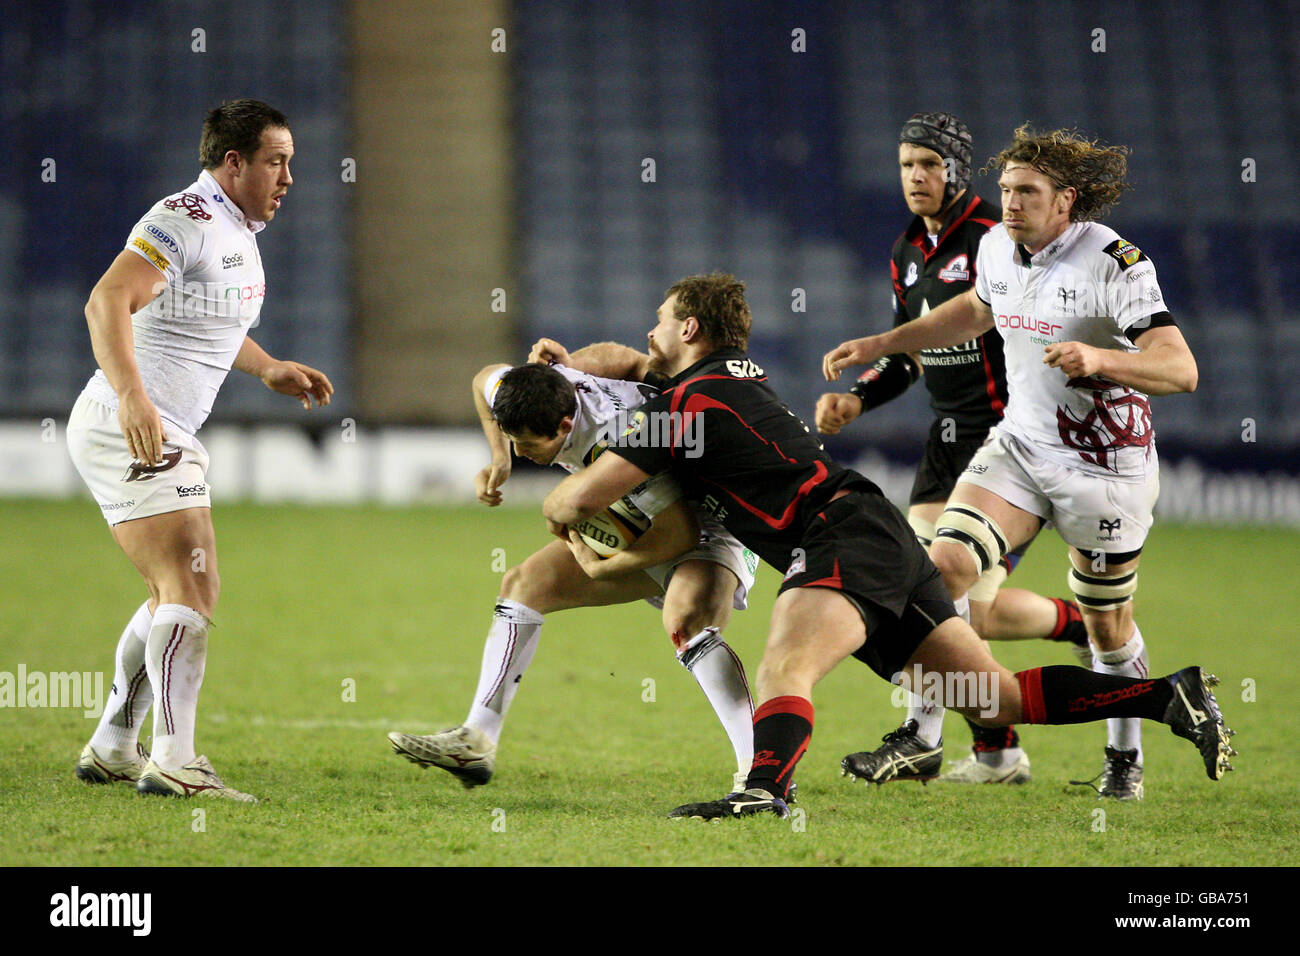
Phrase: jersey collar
[721,355]
[213,188]
[1052,251]
[917,234]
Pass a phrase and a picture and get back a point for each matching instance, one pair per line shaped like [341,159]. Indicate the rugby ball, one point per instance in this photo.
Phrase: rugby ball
[610,531]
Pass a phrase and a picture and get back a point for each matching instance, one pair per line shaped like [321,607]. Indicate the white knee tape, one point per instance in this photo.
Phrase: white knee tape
[985,588]
[1102,594]
[975,531]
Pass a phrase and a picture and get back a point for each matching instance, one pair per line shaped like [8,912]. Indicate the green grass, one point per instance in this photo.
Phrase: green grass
[399,601]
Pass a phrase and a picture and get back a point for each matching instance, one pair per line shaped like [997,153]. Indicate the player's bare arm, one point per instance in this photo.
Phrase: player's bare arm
[488,482]
[674,531]
[1164,365]
[289,378]
[958,320]
[584,493]
[130,284]
[604,359]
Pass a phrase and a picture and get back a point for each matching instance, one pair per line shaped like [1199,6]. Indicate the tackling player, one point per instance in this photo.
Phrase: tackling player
[856,579]
[168,321]
[1087,338]
[934,261]
[693,569]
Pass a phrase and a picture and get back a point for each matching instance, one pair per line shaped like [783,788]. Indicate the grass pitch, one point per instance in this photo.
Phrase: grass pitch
[608,732]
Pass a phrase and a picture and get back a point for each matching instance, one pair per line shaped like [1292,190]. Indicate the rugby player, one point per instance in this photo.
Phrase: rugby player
[932,262]
[857,582]
[168,321]
[688,565]
[1088,337]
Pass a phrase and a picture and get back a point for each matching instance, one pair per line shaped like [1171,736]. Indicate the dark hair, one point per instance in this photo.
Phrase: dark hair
[533,398]
[718,301]
[237,125]
[1068,158]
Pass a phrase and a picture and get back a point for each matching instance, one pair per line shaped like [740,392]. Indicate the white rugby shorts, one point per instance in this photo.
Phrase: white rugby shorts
[720,547]
[1092,513]
[123,487]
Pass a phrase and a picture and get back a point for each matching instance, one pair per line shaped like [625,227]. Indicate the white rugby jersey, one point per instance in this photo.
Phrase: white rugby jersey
[603,404]
[1090,286]
[187,338]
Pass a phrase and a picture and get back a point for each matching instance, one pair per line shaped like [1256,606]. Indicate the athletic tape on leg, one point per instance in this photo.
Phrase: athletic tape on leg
[975,531]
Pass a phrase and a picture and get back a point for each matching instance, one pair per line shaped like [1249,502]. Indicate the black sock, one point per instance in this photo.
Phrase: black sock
[782,729]
[1072,695]
[989,739]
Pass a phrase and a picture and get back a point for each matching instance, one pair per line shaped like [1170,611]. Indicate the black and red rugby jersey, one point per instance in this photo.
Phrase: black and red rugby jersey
[967,382]
[738,450]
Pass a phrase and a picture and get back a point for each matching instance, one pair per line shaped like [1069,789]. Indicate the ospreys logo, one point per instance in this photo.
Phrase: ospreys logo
[1126,254]
[139,471]
[191,204]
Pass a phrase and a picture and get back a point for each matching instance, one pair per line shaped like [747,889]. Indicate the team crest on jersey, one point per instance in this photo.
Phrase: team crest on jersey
[1119,418]
[1126,254]
[957,270]
[913,273]
[191,204]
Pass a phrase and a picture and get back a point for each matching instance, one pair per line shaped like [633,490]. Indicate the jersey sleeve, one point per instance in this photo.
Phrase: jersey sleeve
[649,439]
[490,386]
[170,242]
[1129,287]
[981,284]
[655,494]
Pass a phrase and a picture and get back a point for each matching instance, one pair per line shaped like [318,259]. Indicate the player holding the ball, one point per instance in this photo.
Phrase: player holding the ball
[666,553]
[857,582]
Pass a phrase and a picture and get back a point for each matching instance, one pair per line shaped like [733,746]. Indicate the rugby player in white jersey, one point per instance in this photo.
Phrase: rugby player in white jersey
[685,563]
[1087,337]
[168,321]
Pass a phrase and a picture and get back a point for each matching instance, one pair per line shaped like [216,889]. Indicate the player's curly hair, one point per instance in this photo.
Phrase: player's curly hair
[1068,158]
[533,399]
[237,125]
[718,301]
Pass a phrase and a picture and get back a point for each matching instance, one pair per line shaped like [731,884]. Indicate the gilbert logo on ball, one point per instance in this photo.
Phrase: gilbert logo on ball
[610,531]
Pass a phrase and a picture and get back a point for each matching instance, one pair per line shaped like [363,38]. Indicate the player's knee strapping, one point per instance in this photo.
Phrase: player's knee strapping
[1102,594]
[924,530]
[976,532]
[985,588]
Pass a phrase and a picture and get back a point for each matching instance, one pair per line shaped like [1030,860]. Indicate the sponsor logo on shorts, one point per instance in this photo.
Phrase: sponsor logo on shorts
[958,270]
[232,261]
[191,491]
[1106,530]
[798,566]
[118,505]
[139,471]
[162,237]
[152,254]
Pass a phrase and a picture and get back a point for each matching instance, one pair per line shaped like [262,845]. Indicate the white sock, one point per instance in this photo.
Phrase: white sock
[722,678]
[1124,733]
[175,655]
[928,717]
[507,652]
[131,695]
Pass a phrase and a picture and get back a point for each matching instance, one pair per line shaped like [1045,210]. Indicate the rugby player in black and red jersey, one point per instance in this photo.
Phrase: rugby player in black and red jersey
[932,262]
[857,582]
